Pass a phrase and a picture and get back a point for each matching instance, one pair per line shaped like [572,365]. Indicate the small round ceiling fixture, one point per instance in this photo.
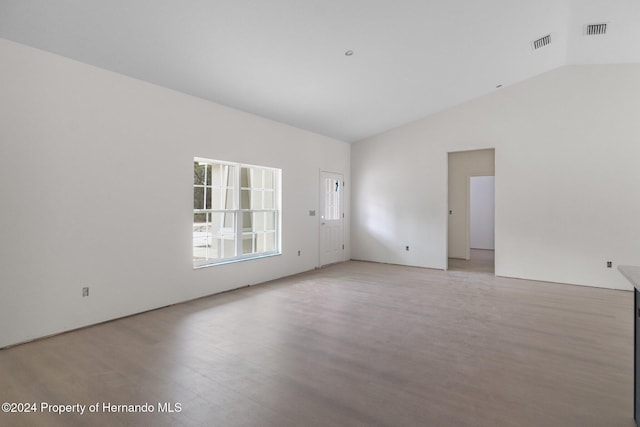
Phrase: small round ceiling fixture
[348,53]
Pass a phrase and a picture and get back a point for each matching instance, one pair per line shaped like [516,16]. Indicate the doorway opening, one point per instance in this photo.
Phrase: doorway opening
[471,225]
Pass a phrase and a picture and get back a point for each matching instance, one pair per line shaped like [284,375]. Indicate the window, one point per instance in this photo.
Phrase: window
[236,212]
[331,198]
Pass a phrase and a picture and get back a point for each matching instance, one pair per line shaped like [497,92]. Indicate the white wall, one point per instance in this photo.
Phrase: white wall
[96,190]
[462,166]
[482,212]
[567,181]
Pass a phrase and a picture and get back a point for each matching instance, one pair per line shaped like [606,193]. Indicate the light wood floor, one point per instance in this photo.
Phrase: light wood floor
[482,261]
[353,344]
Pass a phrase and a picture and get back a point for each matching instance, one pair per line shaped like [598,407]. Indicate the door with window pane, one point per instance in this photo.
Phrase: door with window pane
[331,218]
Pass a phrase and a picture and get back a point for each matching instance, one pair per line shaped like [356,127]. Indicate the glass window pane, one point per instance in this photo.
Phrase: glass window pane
[229,222]
[269,242]
[269,199]
[217,177]
[269,221]
[258,221]
[332,199]
[256,178]
[216,233]
[256,199]
[207,196]
[269,179]
[229,176]
[244,177]
[222,222]
[214,199]
[230,201]
[228,246]
[198,198]
[259,242]
[245,199]
[223,235]
[209,171]
[200,234]
[247,221]
[198,173]
[215,222]
[248,243]
[222,199]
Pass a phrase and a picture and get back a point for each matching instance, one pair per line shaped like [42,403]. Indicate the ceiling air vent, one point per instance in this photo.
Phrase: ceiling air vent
[595,29]
[541,42]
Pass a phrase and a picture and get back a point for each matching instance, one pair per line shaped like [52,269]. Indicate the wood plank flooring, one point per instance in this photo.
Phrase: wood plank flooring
[482,261]
[353,344]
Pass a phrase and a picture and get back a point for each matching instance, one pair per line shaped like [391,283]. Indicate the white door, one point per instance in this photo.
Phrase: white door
[331,218]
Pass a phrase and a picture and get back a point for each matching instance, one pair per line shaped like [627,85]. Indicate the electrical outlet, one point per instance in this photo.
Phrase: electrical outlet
[609,264]
[85,291]
[406,248]
[299,252]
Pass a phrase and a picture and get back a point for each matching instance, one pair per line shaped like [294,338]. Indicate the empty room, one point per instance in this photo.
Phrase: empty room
[318,213]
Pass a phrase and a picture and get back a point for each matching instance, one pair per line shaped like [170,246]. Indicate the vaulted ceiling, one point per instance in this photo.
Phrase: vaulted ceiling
[287,59]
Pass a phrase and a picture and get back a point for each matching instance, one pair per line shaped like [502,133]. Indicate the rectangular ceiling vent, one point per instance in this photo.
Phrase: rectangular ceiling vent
[541,42]
[595,29]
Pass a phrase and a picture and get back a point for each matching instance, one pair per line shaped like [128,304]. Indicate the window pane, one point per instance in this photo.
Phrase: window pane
[230,201]
[229,176]
[258,221]
[215,232]
[247,221]
[332,199]
[244,177]
[248,243]
[256,178]
[229,221]
[223,237]
[269,199]
[327,185]
[209,172]
[214,198]
[225,199]
[256,199]
[223,222]
[269,242]
[269,180]
[198,173]
[228,246]
[198,198]
[214,176]
[207,197]
[200,236]
[245,199]
[270,221]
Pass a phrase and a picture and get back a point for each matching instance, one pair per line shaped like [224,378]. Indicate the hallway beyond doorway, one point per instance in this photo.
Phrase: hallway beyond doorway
[482,261]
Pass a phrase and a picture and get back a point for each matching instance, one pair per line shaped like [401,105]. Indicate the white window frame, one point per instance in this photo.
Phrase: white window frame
[237,211]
